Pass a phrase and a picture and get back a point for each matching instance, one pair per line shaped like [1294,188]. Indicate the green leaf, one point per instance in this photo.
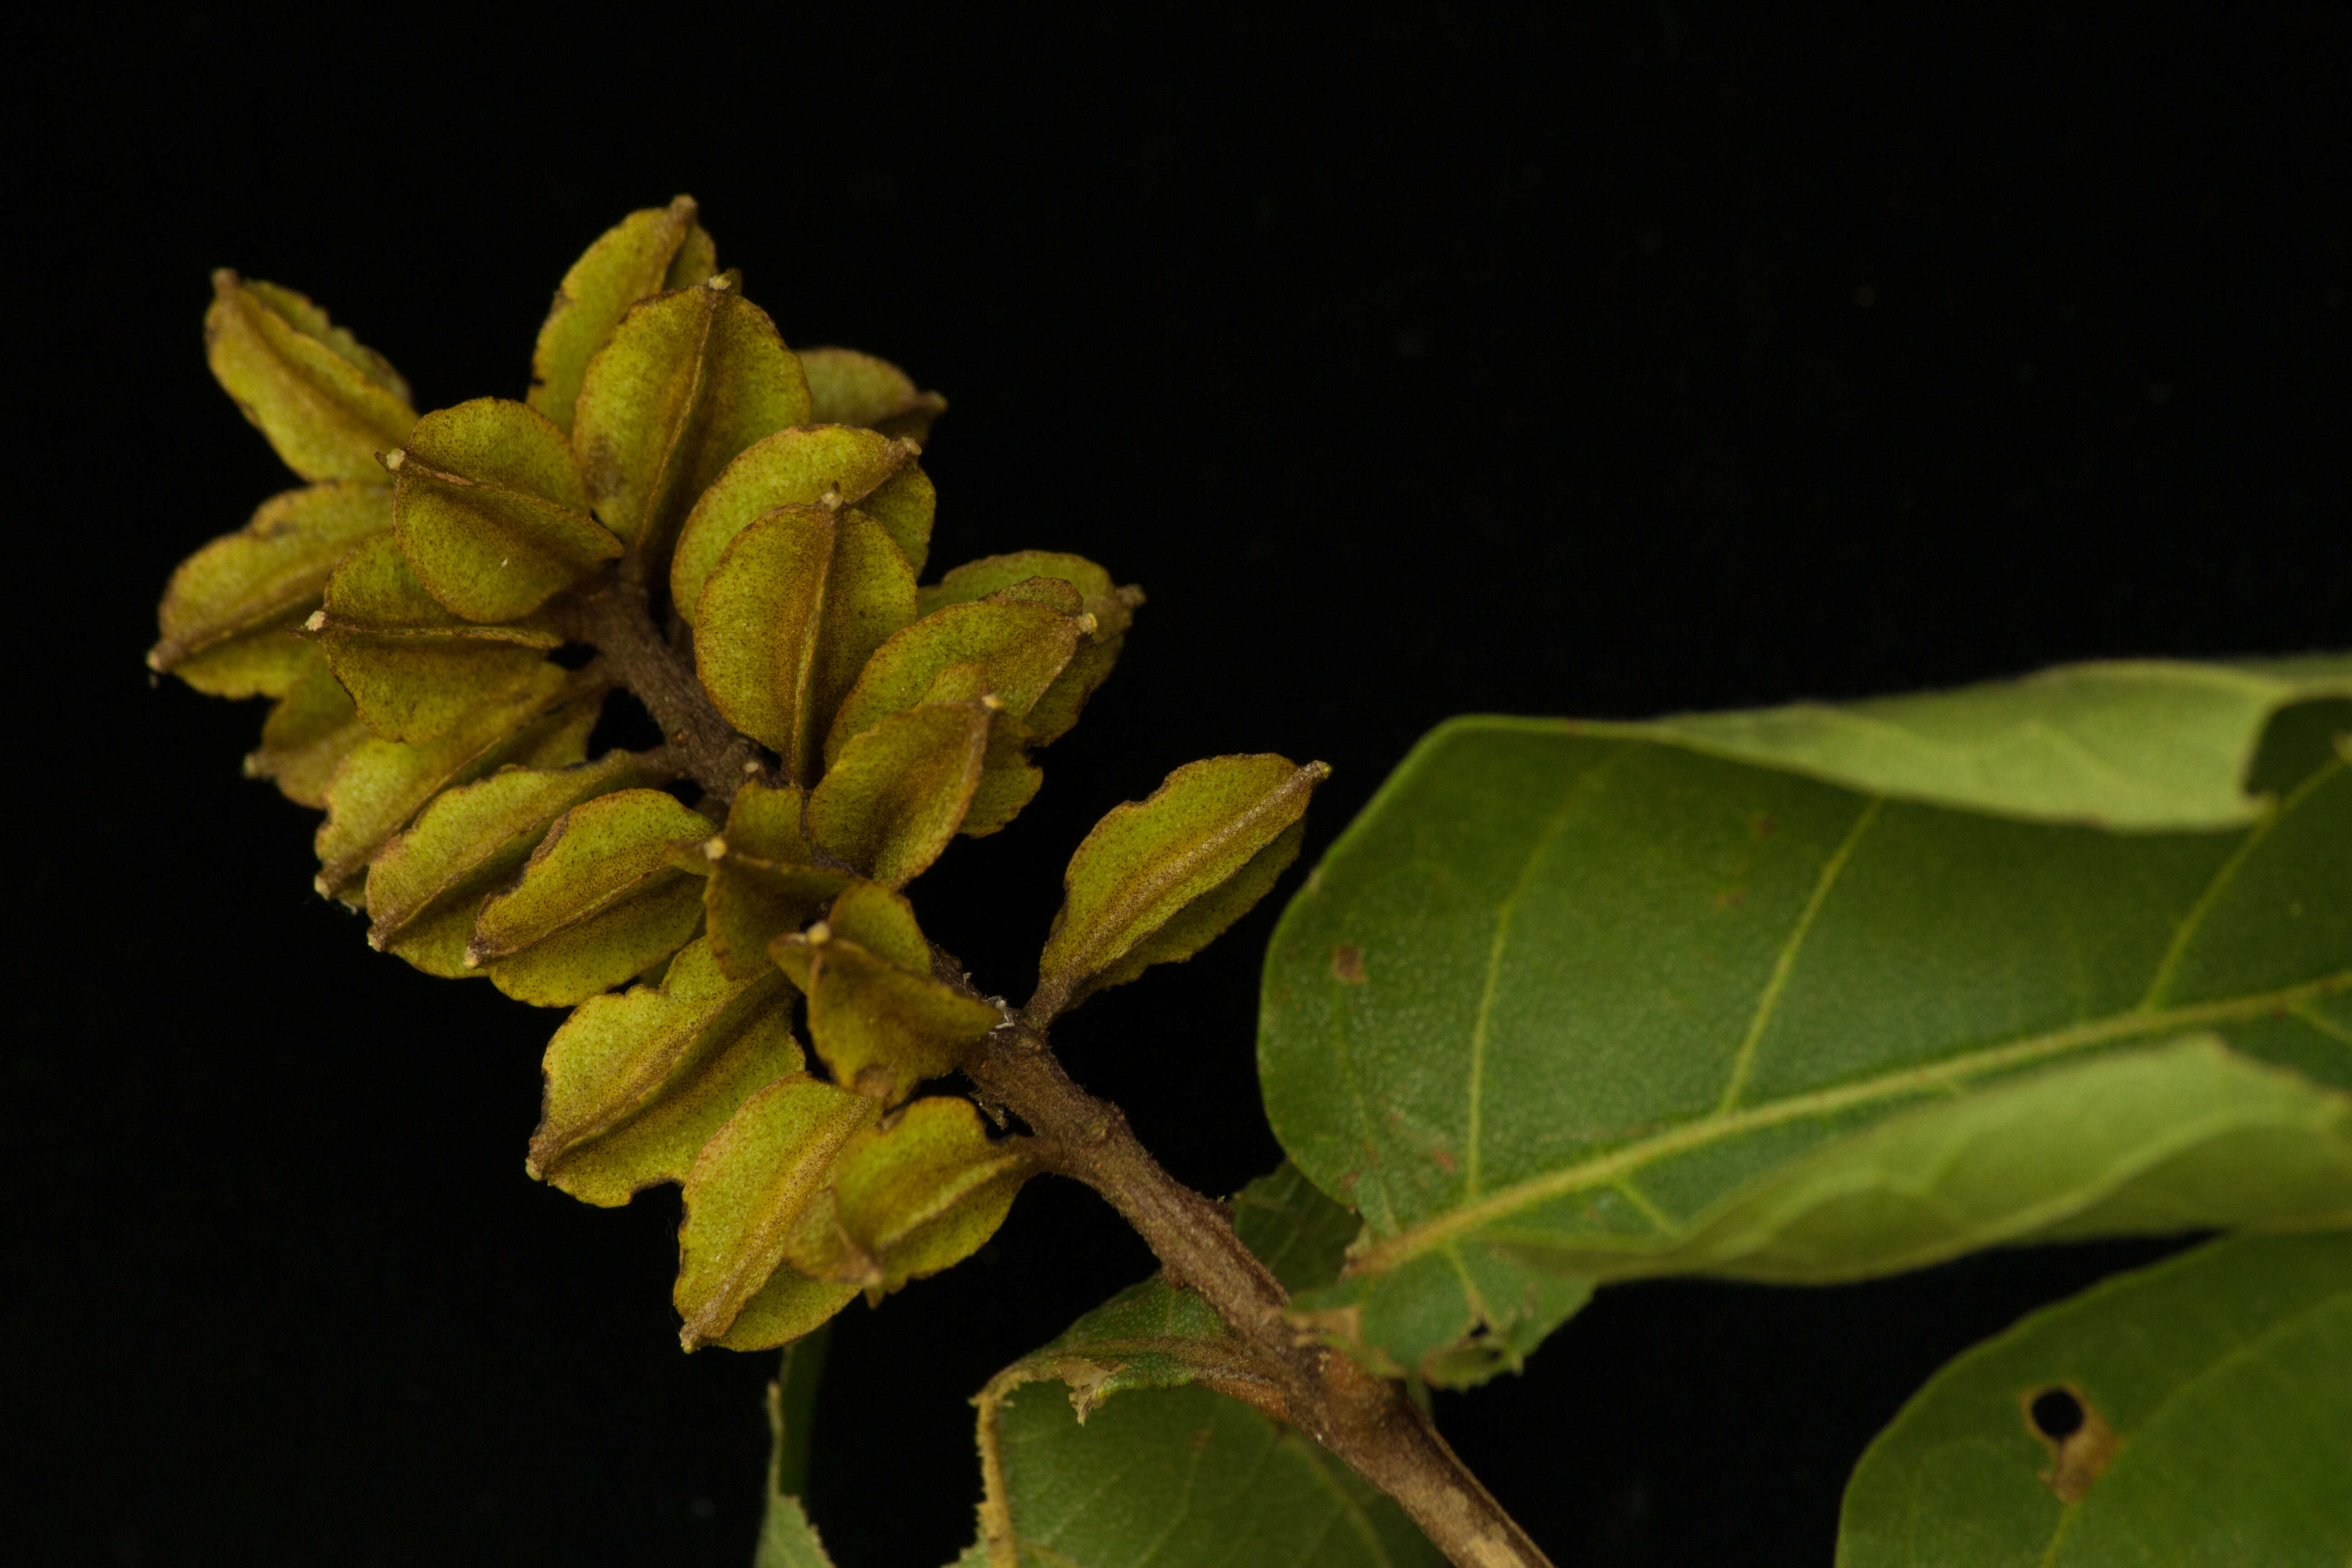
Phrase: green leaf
[382,785]
[309,732]
[1567,1004]
[796,607]
[2139,744]
[688,381]
[327,404]
[787,1539]
[425,886]
[847,387]
[491,513]
[879,1020]
[1157,879]
[1181,1478]
[414,669]
[636,1084]
[603,897]
[227,615]
[744,1198]
[892,800]
[646,252]
[1019,645]
[830,466]
[764,882]
[1041,1457]
[918,1192]
[2198,1412]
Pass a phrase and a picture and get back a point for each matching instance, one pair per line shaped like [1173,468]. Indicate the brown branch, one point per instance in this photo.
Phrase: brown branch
[1366,1420]
[613,618]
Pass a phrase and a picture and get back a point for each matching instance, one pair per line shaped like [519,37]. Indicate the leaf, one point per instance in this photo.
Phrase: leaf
[1561,1006]
[650,250]
[847,387]
[414,669]
[491,513]
[2199,1409]
[425,885]
[1154,880]
[227,616]
[602,899]
[309,732]
[688,381]
[638,1084]
[830,465]
[2137,743]
[327,405]
[797,605]
[893,798]
[879,1020]
[787,1539]
[764,882]
[1182,1478]
[382,785]
[1019,645]
[744,1198]
[1041,1459]
[918,1192]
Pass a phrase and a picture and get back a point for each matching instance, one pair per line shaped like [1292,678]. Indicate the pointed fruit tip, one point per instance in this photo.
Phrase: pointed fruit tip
[714,848]
[225,281]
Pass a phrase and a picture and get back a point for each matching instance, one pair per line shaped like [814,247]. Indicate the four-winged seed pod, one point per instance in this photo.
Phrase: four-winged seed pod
[686,510]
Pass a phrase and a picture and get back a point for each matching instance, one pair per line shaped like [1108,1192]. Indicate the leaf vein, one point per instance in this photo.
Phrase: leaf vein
[1744,1061]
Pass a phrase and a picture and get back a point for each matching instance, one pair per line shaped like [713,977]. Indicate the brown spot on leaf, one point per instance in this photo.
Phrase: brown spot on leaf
[1730,898]
[1347,964]
[2080,1441]
[1445,1161]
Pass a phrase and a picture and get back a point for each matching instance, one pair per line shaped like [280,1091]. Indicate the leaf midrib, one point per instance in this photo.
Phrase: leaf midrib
[1949,1072]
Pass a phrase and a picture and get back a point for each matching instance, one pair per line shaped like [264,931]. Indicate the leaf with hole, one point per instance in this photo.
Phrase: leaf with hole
[830,466]
[651,250]
[2191,1412]
[876,1017]
[1577,1001]
[426,885]
[919,1192]
[763,879]
[687,381]
[605,896]
[1158,879]
[414,669]
[847,387]
[327,404]
[787,620]
[490,510]
[382,785]
[636,1084]
[227,618]
[747,1193]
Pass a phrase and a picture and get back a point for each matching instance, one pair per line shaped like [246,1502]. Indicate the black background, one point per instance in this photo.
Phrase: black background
[1516,360]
